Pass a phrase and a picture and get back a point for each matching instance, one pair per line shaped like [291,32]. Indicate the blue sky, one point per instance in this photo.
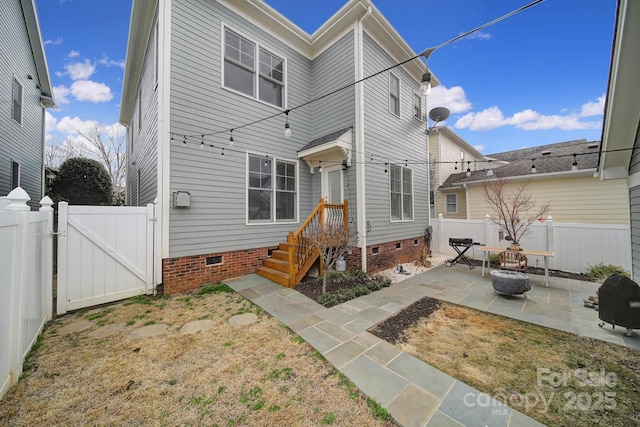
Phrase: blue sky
[536,78]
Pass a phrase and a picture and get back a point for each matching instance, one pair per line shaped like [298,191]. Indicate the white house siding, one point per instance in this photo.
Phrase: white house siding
[21,143]
[393,139]
[216,221]
[586,200]
[144,150]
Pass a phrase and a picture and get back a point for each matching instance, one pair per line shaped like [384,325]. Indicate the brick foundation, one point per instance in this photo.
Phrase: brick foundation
[388,255]
[191,272]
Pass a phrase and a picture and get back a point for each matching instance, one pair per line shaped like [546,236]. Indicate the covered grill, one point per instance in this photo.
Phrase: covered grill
[456,244]
[619,302]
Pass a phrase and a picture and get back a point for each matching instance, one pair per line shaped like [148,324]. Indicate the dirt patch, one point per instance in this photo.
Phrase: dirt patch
[552,376]
[256,374]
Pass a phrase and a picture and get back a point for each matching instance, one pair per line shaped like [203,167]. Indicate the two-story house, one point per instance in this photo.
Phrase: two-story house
[208,92]
[26,92]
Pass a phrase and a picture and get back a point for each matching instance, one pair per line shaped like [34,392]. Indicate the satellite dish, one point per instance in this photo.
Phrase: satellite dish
[439,114]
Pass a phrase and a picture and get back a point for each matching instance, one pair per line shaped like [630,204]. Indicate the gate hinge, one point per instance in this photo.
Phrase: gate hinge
[153,219]
[58,233]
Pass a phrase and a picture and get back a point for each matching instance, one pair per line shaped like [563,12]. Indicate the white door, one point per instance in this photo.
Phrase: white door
[332,184]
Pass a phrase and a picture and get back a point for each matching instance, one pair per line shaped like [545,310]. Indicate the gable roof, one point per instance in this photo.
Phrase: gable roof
[37,49]
[258,11]
[551,160]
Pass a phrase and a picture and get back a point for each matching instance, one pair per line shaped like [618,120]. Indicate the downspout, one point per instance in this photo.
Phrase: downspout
[466,199]
[360,157]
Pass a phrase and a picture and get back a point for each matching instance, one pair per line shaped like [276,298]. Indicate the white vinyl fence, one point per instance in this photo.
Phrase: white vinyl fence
[575,246]
[26,263]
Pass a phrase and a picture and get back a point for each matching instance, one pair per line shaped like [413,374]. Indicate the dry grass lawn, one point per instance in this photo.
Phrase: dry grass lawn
[557,378]
[260,374]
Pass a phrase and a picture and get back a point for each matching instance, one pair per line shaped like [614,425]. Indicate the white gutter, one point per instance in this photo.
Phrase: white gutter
[359,129]
[466,199]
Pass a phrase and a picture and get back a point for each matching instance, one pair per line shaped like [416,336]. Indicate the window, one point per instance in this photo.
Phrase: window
[394,95]
[417,106]
[401,189]
[15,175]
[16,111]
[240,70]
[452,204]
[271,200]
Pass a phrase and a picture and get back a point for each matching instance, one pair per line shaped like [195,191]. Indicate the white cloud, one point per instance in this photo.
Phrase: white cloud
[61,94]
[492,118]
[86,90]
[452,98]
[80,70]
[480,148]
[105,60]
[50,123]
[593,108]
[55,42]
[70,125]
[73,54]
[479,35]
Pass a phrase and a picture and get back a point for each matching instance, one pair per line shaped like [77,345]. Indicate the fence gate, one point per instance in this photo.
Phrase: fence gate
[105,254]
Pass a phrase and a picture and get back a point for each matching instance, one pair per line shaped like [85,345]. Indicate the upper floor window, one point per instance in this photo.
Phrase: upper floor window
[16,111]
[271,190]
[401,189]
[452,204]
[394,94]
[417,106]
[248,66]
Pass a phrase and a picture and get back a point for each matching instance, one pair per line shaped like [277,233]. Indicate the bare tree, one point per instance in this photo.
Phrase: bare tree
[515,211]
[332,240]
[108,145]
[55,154]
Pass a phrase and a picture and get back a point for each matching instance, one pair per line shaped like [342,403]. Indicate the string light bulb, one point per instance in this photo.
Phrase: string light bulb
[184,141]
[386,169]
[455,167]
[231,142]
[287,128]
[320,168]
[425,84]
[266,161]
[574,165]
[490,171]
[468,169]
[202,142]
[533,166]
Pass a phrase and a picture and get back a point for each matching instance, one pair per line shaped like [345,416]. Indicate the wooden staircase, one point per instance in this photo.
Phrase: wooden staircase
[292,260]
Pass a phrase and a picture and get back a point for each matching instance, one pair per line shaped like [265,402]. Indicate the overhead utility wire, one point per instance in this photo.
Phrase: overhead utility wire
[424,53]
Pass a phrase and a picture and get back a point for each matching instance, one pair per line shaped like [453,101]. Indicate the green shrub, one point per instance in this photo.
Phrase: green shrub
[82,181]
[602,271]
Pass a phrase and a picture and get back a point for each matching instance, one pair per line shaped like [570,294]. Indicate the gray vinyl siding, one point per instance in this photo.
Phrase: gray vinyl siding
[634,166]
[334,69]
[216,221]
[393,139]
[144,149]
[21,143]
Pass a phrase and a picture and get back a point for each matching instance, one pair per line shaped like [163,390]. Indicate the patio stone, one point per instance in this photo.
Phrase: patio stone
[518,419]
[383,352]
[75,326]
[344,353]
[438,419]
[106,330]
[237,320]
[426,376]
[358,325]
[366,339]
[198,326]
[334,331]
[148,331]
[305,322]
[413,406]
[318,339]
[374,380]
[470,407]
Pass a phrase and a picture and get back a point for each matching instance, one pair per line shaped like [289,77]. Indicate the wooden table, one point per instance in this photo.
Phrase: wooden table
[545,254]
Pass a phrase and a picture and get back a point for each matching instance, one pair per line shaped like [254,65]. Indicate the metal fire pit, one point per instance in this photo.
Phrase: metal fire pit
[619,302]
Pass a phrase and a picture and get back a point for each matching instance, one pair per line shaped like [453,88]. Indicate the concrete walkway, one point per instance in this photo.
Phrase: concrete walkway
[415,393]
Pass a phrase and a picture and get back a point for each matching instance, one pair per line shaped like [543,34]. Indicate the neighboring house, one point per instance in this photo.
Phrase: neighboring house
[449,154]
[620,152]
[576,193]
[26,92]
[226,199]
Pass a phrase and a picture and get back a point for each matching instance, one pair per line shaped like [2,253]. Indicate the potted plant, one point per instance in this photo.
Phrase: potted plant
[513,211]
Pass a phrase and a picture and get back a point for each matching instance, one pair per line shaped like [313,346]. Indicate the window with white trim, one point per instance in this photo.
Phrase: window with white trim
[417,106]
[271,200]
[248,66]
[452,204]
[16,94]
[15,175]
[394,94]
[401,193]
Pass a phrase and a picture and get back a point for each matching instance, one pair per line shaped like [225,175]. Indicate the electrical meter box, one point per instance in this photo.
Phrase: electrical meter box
[182,199]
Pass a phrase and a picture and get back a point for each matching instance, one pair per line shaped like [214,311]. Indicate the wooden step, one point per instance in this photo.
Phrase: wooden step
[281,255]
[273,275]
[277,264]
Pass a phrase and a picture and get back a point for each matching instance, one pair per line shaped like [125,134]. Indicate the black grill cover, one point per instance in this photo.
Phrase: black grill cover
[619,302]
[460,242]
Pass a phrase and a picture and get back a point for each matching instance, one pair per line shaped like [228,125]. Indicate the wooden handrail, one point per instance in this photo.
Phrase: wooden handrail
[301,254]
